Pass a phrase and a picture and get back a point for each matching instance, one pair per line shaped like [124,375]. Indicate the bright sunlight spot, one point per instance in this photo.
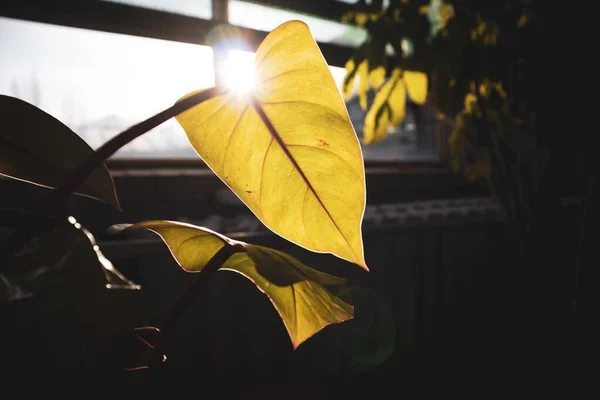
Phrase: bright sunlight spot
[240,76]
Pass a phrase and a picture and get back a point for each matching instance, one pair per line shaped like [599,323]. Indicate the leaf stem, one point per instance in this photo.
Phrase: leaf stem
[56,199]
[186,299]
[70,184]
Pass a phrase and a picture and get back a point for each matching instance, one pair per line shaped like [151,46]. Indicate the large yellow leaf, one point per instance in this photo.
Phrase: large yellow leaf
[306,299]
[288,149]
[37,148]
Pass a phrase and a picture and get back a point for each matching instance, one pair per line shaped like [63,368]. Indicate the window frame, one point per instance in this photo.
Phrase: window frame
[133,20]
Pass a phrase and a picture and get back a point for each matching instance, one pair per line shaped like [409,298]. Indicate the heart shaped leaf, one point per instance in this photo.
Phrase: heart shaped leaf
[306,299]
[37,148]
[288,149]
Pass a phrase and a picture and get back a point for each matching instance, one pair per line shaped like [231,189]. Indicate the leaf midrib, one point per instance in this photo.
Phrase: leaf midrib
[265,119]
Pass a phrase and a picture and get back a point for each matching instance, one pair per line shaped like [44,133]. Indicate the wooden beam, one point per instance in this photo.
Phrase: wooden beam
[130,20]
[327,9]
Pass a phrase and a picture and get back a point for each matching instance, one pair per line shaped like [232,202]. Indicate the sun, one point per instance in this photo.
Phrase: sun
[239,74]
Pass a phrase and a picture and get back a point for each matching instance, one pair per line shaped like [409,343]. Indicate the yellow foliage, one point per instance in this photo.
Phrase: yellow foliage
[377,77]
[416,83]
[471,104]
[380,116]
[389,105]
[288,150]
[363,83]
[361,18]
[349,78]
[485,31]
[523,19]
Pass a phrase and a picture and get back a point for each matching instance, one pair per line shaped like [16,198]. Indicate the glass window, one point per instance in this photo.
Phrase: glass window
[263,18]
[193,8]
[101,83]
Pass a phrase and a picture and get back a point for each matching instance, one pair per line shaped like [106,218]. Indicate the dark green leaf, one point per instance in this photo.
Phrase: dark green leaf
[37,148]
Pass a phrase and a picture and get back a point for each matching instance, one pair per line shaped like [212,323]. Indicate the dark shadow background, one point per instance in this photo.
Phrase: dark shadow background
[448,305]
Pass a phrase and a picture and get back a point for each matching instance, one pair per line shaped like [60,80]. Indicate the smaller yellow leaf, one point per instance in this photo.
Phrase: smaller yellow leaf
[349,78]
[377,77]
[377,119]
[306,299]
[398,102]
[484,89]
[363,83]
[447,13]
[499,90]
[523,19]
[470,103]
[376,126]
[361,18]
[416,84]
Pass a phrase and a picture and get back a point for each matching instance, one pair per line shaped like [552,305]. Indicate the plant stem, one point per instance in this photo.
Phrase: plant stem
[52,203]
[69,185]
[188,297]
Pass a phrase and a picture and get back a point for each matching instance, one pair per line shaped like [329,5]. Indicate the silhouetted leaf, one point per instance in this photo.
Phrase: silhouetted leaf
[37,148]
[305,299]
[288,150]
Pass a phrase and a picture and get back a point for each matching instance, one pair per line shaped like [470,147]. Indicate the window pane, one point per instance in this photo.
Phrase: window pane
[193,8]
[266,19]
[101,83]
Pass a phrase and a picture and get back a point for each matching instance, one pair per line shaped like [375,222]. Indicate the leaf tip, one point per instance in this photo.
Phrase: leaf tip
[117,228]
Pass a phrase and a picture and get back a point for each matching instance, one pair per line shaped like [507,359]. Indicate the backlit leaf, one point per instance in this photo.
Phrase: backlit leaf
[37,148]
[388,109]
[416,85]
[306,299]
[377,77]
[363,83]
[348,84]
[389,105]
[288,149]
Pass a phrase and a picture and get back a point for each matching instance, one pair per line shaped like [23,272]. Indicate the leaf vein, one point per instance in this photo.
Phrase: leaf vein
[237,123]
[261,112]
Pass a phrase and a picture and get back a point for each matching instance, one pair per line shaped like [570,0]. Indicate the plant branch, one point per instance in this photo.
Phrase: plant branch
[188,297]
[70,184]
